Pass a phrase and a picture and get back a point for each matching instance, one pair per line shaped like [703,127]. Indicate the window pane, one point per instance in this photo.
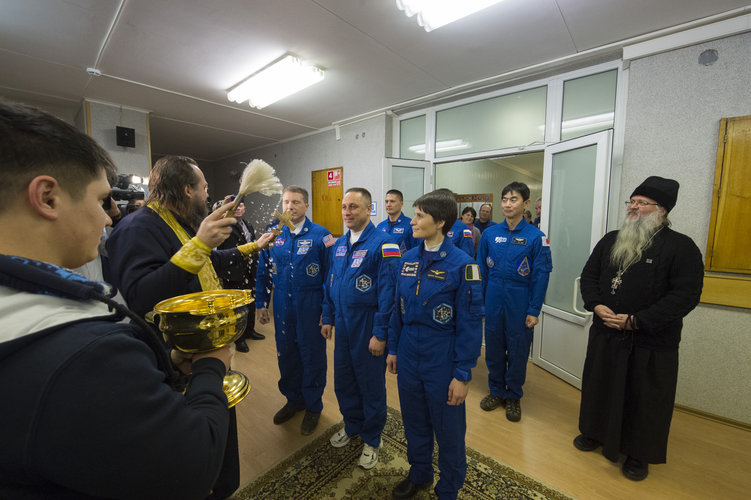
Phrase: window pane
[411,182]
[511,120]
[588,104]
[571,200]
[412,138]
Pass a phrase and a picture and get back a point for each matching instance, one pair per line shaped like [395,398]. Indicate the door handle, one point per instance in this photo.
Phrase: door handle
[576,292]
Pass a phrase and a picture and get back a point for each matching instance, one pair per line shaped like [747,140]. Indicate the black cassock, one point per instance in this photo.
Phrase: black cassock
[140,248]
[629,379]
[241,273]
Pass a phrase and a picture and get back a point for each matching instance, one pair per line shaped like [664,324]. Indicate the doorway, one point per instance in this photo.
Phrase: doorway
[327,199]
[572,178]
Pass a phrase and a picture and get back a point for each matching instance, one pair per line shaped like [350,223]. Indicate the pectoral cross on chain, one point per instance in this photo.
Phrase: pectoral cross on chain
[616,282]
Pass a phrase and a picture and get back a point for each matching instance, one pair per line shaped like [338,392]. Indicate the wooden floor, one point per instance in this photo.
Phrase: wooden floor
[706,459]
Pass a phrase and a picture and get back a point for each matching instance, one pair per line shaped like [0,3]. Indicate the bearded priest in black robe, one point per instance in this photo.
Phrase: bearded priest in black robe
[640,282]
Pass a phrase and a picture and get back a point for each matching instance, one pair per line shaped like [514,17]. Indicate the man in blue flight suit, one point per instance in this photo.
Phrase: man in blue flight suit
[298,265]
[515,264]
[359,301]
[397,224]
[435,334]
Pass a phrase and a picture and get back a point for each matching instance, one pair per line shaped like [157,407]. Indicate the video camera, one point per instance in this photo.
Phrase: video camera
[126,189]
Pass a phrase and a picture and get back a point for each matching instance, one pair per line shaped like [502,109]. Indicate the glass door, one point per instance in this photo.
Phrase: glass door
[576,180]
[411,177]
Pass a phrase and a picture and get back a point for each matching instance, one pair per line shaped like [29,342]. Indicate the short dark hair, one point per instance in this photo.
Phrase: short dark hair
[441,205]
[168,179]
[363,192]
[298,190]
[33,143]
[396,193]
[470,210]
[519,187]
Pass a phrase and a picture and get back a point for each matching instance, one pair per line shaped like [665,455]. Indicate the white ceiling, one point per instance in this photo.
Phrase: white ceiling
[177,58]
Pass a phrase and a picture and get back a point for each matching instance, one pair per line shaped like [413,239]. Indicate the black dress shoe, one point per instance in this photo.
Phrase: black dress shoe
[254,335]
[288,411]
[583,443]
[241,346]
[408,489]
[635,469]
[309,422]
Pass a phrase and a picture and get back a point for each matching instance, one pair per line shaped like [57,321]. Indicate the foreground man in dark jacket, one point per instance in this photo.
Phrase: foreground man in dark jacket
[640,282]
[89,404]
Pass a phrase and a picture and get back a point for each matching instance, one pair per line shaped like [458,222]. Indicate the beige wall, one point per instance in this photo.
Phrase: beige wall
[360,149]
[101,119]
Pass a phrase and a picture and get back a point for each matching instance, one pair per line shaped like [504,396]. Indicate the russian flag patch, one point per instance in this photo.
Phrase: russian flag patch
[390,250]
[467,233]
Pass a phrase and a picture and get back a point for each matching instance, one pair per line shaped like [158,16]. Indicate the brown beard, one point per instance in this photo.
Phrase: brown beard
[198,212]
[633,238]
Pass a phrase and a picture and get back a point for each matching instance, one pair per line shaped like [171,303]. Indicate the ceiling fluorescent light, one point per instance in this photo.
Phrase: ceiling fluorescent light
[286,76]
[432,14]
[441,146]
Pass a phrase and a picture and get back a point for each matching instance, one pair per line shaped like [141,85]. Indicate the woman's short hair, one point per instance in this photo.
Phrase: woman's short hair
[441,205]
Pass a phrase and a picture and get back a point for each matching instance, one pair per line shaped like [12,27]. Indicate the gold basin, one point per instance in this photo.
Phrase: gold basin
[202,321]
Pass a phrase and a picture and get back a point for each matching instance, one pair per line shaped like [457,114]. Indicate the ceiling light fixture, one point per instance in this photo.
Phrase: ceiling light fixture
[282,78]
[441,146]
[432,14]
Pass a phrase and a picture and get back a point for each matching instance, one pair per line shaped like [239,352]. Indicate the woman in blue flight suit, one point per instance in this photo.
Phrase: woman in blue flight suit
[435,334]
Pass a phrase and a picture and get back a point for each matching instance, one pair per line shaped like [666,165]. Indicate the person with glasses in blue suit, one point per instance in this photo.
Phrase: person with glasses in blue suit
[515,263]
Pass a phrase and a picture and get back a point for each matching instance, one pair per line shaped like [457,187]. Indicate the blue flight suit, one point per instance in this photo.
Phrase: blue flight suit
[482,226]
[461,235]
[359,301]
[298,266]
[515,267]
[400,230]
[436,334]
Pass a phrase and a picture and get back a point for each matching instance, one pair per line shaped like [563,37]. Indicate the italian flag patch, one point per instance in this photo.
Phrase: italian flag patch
[472,272]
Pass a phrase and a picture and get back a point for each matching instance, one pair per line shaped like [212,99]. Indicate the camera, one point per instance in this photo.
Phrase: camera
[126,189]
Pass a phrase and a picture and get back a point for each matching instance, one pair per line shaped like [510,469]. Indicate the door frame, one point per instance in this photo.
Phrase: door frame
[604,142]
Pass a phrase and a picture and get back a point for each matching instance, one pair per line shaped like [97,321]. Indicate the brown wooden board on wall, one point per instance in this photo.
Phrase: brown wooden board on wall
[327,198]
[727,278]
[474,200]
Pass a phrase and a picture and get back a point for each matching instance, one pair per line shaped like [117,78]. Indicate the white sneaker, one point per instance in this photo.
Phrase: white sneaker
[339,439]
[369,457]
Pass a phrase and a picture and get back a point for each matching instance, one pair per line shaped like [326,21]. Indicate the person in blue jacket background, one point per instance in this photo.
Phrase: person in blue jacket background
[515,263]
[359,301]
[297,264]
[461,236]
[459,233]
[397,224]
[435,334]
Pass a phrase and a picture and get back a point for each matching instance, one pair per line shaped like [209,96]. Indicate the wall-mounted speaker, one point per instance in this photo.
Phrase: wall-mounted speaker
[126,137]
